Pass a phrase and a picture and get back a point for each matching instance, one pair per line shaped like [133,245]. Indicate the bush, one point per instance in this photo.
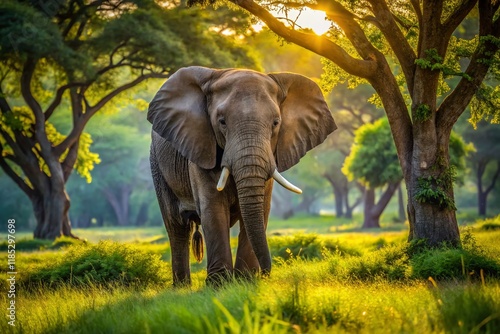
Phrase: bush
[391,262]
[104,263]
[414,261]
[490,224]
[448,263]
[307,246]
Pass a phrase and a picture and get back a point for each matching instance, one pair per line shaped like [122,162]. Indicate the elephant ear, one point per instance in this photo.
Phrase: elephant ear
[306,120]
[179,114]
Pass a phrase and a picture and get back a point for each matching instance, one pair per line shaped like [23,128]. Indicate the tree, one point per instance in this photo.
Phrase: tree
[373,161]
[485,161]
[351,110]
[72,58]
[367,40]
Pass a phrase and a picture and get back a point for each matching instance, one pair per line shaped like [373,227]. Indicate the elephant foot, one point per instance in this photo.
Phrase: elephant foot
[219,279]
[180,284]
[246,275]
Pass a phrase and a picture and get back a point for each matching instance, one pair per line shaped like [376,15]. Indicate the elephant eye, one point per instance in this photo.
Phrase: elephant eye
[222,121]
[276,122]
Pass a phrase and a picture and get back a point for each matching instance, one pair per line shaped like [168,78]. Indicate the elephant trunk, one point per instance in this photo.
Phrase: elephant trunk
[251,168]
[251,199]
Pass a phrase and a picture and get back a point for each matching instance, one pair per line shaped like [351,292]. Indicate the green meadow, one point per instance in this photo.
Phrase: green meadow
[328,276]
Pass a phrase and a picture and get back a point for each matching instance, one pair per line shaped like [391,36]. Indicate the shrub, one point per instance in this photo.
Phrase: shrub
[306,246]
[490,224]
[391,262]
[448,263]
[104,263]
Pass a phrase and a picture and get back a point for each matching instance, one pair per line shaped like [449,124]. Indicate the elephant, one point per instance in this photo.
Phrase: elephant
[219,139]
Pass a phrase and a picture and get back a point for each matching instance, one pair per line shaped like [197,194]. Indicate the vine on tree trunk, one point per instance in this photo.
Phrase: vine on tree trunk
[435,190]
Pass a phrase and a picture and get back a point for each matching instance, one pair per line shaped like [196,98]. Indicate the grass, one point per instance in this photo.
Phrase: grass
[342,282]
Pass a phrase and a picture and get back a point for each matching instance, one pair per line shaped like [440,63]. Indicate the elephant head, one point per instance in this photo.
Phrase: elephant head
[263,123]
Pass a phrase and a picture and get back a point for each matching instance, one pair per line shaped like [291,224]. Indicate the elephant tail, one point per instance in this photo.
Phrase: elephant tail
[197,244]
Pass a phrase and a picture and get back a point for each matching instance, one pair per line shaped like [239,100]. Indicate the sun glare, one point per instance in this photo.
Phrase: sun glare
[315,20]
[308,18]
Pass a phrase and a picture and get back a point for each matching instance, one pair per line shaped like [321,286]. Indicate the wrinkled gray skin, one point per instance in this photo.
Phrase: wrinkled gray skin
[205,119]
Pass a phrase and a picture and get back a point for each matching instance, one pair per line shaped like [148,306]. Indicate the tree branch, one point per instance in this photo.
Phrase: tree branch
[455,103]
[40,135]
[13,175]
[494,179]
[317,44]
[460,13]
[69,162]
[79,124]
[402,49]
[58,98]
[416,7]
[386,197]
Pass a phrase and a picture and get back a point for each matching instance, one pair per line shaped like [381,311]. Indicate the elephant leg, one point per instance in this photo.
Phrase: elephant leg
[219,259]
[247,264]
[178,229]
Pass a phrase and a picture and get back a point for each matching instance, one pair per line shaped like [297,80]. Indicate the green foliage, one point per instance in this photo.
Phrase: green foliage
[104,263]
[307,246]
[373,160]
[490,224]
[435,190]
[78,58]
[389,263]
[453,263]
[485,105]
[422,113]
[434,62]
[483,317]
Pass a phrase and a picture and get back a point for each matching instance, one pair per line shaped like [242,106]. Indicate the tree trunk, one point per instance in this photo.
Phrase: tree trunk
[401,206]
[349,209]
[481,200]
[51,208]
[340,194]
[306,203]
[373,211]
[482,194]
[431,201]
[370,220]
[119,201]
[142,216]
[282,200]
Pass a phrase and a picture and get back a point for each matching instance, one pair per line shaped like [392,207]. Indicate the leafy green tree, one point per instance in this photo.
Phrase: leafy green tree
[373,161]
[406,50]
[485,161]
[122,187]
[73,58]
[351,110]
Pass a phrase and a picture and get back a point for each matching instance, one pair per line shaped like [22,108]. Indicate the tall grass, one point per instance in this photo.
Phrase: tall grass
[363,284]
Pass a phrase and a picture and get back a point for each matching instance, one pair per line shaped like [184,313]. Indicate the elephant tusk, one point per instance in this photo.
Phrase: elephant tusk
[223,179]
[285,183]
